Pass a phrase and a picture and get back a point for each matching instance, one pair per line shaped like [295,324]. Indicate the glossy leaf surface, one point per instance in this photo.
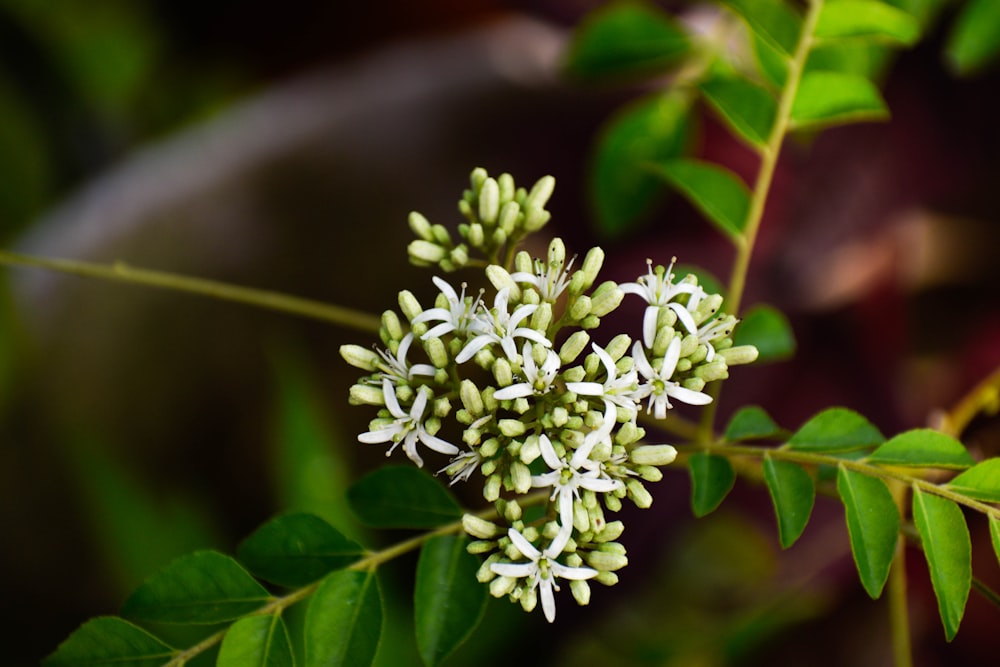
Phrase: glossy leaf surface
[866,19]
[793,493]
[717,192]
[766,328]
[995,536]
[750,423]
[402,497]
[297,549]
[981,481]
[873,526]
[835,430]
[974,41]
[712,478]
[948,550]
[203,587]
[109,641]
[747,108]
[836,98]
[344,621]
[922,447]
[448,605]
[774,20]
[256,641]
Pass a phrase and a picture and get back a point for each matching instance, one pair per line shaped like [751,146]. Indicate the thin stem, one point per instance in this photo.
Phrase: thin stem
[762,187]
[899,615]
[121,272]
[982,396]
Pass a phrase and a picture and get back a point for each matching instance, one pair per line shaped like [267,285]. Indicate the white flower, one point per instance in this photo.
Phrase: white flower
[542,568]
[567,477]
[658,290]
[549,280]
[457,317]
[538,380]
[659,387]
[396,369]
[713,330]
[462,466]
[407,427]
[615,390]
[497,326]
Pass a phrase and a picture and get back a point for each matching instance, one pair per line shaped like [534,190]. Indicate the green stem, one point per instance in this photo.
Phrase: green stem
[984,395]
[761,189]
[899,615]
[121,272]
[370,561]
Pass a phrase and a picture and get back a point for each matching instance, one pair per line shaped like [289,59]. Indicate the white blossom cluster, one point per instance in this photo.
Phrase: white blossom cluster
[506,387]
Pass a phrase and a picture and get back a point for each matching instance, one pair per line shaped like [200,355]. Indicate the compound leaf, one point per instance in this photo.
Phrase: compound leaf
[766,328]
[835,430]
[923,447]
[981,481]
[402,497]
[344,621]
[873,526]
[751,423]
[793,493]
[774,20]
[712,478]
[836,98]
[948,550]
[747,108]
[256,641]
[975,36]
[717,192]
[866,19]
[109,641]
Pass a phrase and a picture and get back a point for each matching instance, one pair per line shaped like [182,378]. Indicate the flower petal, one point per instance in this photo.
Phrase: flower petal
[689,396]
[526,548]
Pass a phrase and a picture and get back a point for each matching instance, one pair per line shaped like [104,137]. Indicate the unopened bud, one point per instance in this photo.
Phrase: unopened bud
[557,252]
[511,427]
[638,493]
[573,346]
[360,357]
[420,226]
[603,561]
[653,455]
[580,590]
[489,201]
[500,279]
[591,266]
[366,394]
[741,354]
[425,252]
[436,352]
[478,527]
[471,398]
[392,325]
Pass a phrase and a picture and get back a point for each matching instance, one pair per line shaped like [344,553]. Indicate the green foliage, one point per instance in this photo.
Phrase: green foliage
[626,38]
[995,535]
[751,423]
[945,539]
[872,523]
[622,187]
[715,191]
[712,478]
[402,497]
[767,329]
[256,641]
[981,481]
[923,448]
[974,41]
[774,21]
[202,588]
[793,493]
[108,641]
[344,620]
[835,98]
[297,549]
[868,20]
[835,430]
[748,109]
[447,608]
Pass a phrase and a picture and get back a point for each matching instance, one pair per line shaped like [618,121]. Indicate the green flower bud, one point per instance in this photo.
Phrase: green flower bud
[488,467]
[520,477]
[425,253]
[699,354]
[510,215]
[683,365]
[575,374]
[606,578]
[590,322]
[741,354]
[581,591]
[506,186]
[638,493]
[706,308]
[442,407]
[459,256]
[366,394]
[530,450]
[436,352]
[420,226]
[557,252]
[476,178]
[559,416]
[476,236]
[500,279]
[618,346]
[649,473]
[481,528]
[502,586]
[580,308]
[360,357]
[489,201]
[591,266]
[688,345]
[695,383]
[484,573]
[613,503]
[606,298]
[612,531]
[535,218]
[603,561]
[540,192]
[653,455]
[715,370]
[491,490]
[523,263]
[573,346]
[471,398]
[489,448]
[511,427]
[581,518]
[662,341]
[577,283]
[528,599]
[498,237]
[392,326]
[542,318]
[512,511]
[481,546]
[503,373]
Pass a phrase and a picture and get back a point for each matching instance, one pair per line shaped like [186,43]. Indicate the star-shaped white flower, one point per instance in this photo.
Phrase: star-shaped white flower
[462,466]
[499,326]
[658,290]
[549,280]
[714,330]
[542,568]
[396,368]
[407,428]
[567,477]
[615,390]
[658,386]
[537,379]
[457,317]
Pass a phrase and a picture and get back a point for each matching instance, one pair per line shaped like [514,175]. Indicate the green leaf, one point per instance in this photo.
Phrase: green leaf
[981,481]
[344,620]
[297,549]
[835,430]
[866,19]
[948,549]
[747,108]
[774,20]
[773,65]
[793,493]
[767,329]
[111,641]
[626,38]
[256,641]
[712,478]
[203,587]
[865,59]
[836,98]
[706,280]
[717,192]
[995,535]
[923,447]
[402,497]
[622,188]
[974,41]
[873,525]
[751,423]
[448,605]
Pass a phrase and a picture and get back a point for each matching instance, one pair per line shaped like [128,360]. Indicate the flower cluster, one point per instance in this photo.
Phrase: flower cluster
[513,387]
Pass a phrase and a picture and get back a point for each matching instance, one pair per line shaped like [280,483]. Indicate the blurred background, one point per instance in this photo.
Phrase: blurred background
[282,147]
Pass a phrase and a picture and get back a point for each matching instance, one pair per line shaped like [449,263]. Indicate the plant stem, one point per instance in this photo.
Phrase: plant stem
[761,189]
[121,272]
[899,616]
[984,395]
